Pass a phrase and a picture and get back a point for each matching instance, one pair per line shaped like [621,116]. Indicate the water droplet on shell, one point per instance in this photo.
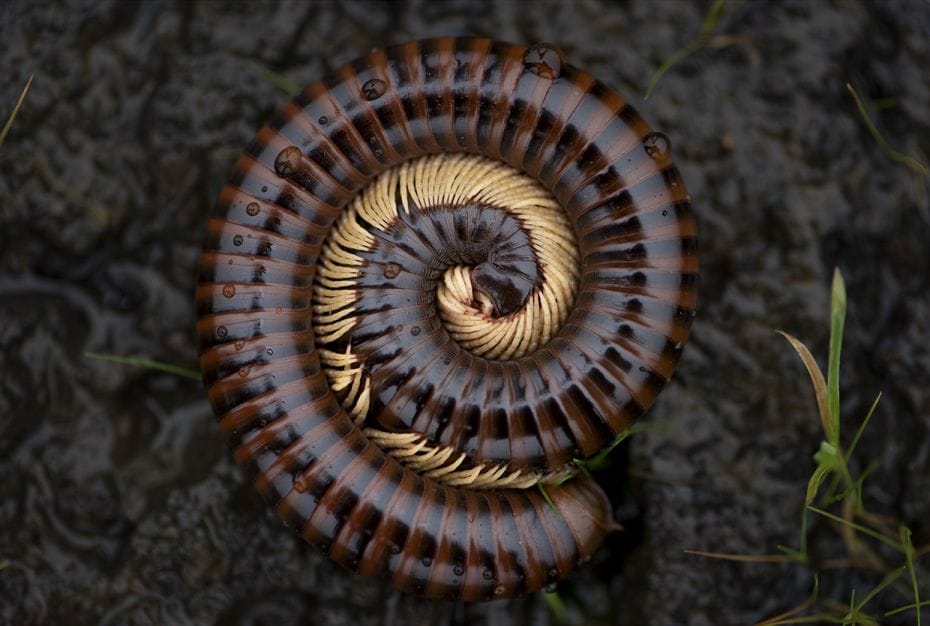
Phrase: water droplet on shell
[543,60]
[288,161]
[229,291]
[373,88]
[252,208]
[657,146]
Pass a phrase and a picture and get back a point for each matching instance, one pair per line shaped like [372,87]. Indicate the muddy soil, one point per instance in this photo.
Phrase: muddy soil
[119,503]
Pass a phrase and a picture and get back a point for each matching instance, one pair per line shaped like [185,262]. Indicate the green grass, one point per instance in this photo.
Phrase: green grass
[556,605]
[869,539]
[895,155]
[704,36]
[19,103]
[147,363]
[600,460]
[273,78]
[548,498]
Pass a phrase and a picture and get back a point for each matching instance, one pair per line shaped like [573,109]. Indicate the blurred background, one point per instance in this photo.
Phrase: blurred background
[119,503]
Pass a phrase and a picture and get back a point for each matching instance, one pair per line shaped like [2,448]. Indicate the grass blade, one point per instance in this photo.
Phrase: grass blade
[275,79]
[819,618]
[831,432]
[814,483]
[907,607]
[790,613]
[837,322]
[891,153]
[795,556]
[556,605]
[887,580]
[19,103]
[599,460]
[865,422]
[909,557]
[857,487]
[707,29]
[746,558]
[548,498]
[147,363]
[863,529]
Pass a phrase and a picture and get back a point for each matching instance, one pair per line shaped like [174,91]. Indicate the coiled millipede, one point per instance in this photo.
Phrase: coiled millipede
[439,277]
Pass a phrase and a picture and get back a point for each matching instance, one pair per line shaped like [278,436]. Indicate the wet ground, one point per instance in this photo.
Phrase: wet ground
[118,502]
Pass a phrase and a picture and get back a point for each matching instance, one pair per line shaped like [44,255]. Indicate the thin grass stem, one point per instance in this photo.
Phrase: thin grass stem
[147,363]
[707,30]
[891,153]
[863,529]
[19,103]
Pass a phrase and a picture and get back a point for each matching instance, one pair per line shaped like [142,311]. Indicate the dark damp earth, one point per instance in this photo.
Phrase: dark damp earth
[119,503]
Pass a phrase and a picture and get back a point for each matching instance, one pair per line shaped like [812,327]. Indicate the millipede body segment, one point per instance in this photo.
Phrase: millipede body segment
[436,279]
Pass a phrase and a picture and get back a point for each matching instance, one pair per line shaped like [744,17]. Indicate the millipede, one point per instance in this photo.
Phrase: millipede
[439,279]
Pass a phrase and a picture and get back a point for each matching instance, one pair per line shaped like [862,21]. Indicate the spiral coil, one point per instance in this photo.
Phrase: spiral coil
[439,277]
